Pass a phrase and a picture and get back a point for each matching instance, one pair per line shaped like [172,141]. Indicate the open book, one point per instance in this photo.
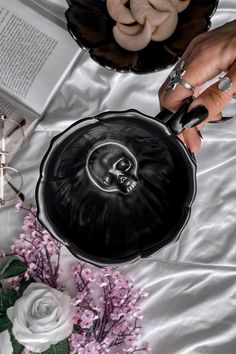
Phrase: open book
[36,55]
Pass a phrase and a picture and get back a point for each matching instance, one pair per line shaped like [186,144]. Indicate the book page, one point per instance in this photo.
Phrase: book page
[35,55]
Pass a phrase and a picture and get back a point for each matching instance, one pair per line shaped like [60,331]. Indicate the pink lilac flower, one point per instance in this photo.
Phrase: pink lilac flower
[107,311]
[117,314]
[86,318]
[18,206]
[26,351]
[2,254]
[113,323]
[14,283]
[37,249]
[87,274]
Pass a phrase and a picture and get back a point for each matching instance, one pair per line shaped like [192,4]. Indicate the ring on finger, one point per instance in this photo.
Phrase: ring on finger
[225,84]
[176,78]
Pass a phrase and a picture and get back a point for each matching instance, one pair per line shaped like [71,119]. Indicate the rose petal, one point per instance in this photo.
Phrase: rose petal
[41,317]
[6,346]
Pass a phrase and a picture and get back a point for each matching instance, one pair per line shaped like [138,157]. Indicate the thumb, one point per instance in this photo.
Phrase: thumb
[216,97]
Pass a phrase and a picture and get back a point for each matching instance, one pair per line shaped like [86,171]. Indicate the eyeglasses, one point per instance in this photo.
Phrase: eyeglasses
[11,140]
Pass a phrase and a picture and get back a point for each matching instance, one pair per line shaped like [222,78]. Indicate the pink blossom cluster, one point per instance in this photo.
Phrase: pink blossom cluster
[26,351]
[112,321]
[107,311]
[38,250]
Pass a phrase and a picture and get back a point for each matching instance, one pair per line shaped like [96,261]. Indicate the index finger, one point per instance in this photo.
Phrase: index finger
[197,73]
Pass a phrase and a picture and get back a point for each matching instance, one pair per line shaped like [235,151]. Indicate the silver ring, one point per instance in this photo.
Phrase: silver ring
[176,78]
[225,84]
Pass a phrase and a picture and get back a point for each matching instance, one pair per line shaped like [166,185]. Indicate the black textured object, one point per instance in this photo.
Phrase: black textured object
[117,186]
[91,26]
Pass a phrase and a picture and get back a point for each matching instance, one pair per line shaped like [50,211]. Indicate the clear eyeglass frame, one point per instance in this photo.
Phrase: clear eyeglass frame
[11,141]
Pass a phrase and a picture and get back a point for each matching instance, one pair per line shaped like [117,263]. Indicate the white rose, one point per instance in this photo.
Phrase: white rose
[41,317]
[6,346]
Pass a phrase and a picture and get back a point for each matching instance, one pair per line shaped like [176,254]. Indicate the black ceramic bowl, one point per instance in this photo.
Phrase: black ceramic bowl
[116,187]
[91,26]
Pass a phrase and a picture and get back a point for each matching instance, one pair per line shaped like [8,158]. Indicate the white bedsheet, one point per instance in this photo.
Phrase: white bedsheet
[191,308]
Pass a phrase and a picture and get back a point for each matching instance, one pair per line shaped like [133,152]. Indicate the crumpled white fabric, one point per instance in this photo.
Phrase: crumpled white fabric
[191,308]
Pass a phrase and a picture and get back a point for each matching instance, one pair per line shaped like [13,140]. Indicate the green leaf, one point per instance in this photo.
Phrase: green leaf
[17,347]
[5,323]
[11,268]
[62,347]
[7,299]
[24,285]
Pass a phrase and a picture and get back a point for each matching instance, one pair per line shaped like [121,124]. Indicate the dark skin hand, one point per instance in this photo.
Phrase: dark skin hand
[207,56]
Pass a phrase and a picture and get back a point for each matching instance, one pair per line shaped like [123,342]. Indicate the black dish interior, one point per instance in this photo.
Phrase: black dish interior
[104,227]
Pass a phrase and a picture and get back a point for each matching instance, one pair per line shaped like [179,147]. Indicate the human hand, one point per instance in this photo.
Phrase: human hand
[207,56]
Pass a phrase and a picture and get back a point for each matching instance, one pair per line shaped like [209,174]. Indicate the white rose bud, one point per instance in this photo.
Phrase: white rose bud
[41,317]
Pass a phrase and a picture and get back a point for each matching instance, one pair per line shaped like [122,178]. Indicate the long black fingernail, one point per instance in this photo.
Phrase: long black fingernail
[199,133]
[223,119]
[191,154]
[196,116]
